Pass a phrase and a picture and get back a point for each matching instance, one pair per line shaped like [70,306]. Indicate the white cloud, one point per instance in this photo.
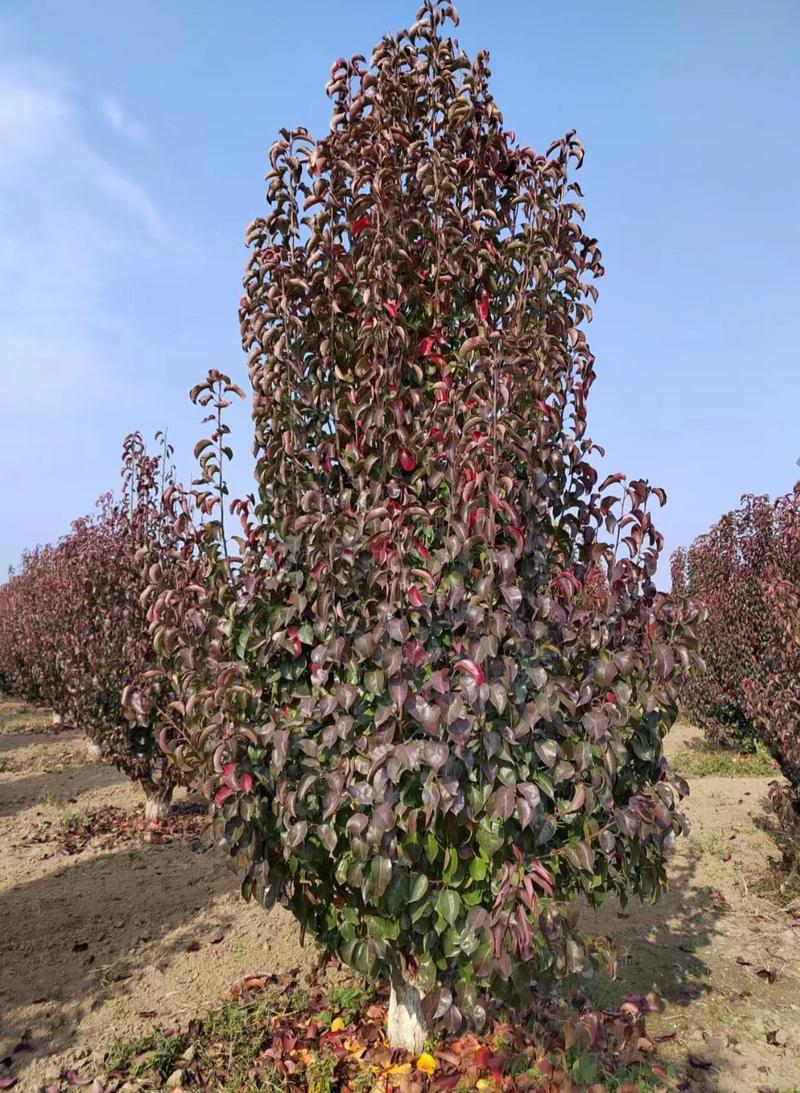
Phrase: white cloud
[120,120]
[69,218]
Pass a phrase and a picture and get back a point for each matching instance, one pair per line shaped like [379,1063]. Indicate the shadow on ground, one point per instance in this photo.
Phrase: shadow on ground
[60,785]
[663,948]
[17,740]
[660,946]
[73,937]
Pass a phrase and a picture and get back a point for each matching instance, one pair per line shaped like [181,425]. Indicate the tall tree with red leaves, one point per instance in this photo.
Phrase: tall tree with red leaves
[441,669]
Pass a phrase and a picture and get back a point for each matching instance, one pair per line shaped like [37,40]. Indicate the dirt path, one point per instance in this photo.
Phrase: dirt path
[107,944]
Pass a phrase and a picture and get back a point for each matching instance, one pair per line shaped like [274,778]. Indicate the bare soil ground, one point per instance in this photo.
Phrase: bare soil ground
[724,960]
[107,944]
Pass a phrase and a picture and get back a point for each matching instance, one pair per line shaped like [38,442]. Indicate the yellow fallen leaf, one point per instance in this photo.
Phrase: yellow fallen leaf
[396,1068]
[337,1024]
[485,1084]
[426,1063]
[354,1049]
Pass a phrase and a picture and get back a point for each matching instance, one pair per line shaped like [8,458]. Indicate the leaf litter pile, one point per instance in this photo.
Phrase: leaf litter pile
[277,1035]
[110,828]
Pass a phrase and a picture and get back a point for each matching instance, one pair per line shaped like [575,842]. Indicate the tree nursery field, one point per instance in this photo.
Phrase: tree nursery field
[385,776]
[123,956]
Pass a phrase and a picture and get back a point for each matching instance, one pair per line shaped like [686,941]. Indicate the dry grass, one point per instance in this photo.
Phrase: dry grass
[19,717]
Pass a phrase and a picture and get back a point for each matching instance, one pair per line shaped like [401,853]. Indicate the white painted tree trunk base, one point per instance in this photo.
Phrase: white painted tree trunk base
[156,806]
[57,719]
[405,1025]
[94,751]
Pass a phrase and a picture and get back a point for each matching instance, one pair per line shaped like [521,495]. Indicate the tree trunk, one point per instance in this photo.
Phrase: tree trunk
[95,752]
[157,800]
[57,718]
[406,1026]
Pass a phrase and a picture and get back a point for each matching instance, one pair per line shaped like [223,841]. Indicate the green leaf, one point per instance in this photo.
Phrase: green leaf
[545,784]
[380,875]
[584,1069]
[489,839]
[419,886]
[382,927]
[375,682]
[477,868]
[448,904]
[431,847]
[547,750]
[425,979]
[242,640]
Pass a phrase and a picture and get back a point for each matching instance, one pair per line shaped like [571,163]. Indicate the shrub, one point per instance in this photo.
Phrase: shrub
[428,694]
[73,630]
[723,570]
[28,620]
[773,692]
[746,573]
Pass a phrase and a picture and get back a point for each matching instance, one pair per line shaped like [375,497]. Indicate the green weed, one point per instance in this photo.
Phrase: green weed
[702,760]
[154,1054]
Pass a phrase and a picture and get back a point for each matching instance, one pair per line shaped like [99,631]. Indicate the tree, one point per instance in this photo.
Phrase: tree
[745,574]
[723,570]
[431,706]
[74,634]
[28,628]
[773,694]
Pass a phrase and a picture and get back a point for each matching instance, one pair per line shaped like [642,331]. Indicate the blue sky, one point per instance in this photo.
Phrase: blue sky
[133,142]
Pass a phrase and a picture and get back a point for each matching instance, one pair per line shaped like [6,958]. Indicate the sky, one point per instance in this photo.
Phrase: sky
[133,140]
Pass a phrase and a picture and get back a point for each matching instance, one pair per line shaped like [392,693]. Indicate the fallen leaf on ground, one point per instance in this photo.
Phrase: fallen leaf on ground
[769,974]
[699,1061]
[426,1063]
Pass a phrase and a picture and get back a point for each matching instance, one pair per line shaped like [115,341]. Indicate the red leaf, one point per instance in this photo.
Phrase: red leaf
[358,226]
[246,783]
[472,669]
[577,802]
[482,305]
[540,876]
[392,308]
[425,346]
[297,645]
[517,535]
[414,597]
[408,460]
[222,795]
[415,653]
[482,1056]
